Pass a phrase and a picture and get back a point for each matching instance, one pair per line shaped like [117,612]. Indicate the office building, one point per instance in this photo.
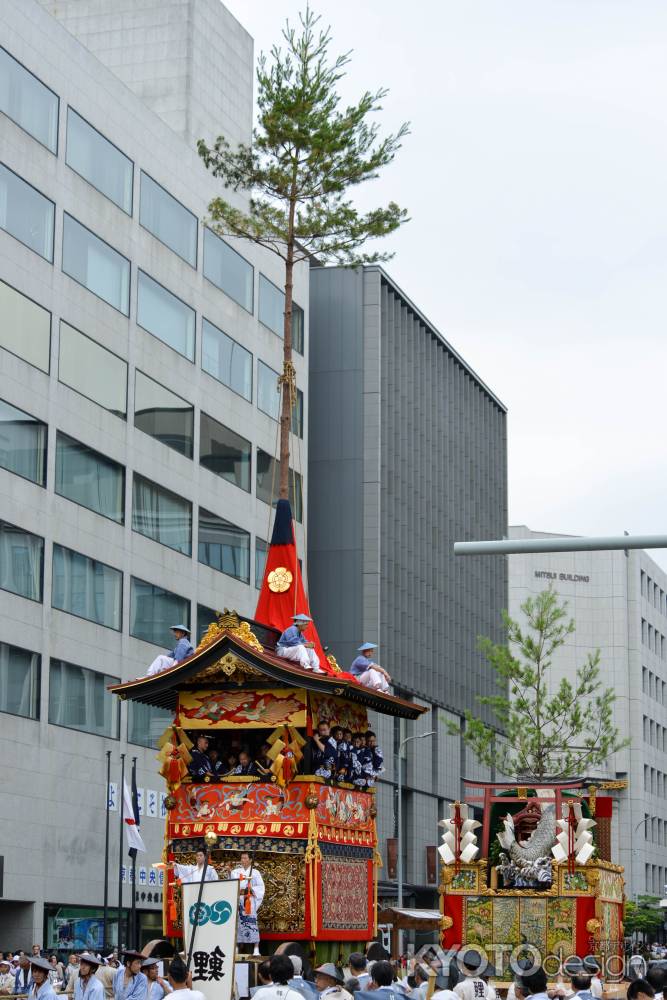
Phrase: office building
[139,354]
[618,601]
[407,455]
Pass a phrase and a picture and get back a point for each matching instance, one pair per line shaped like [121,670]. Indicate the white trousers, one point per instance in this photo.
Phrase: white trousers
[372,678]
[160,663]
[305,657]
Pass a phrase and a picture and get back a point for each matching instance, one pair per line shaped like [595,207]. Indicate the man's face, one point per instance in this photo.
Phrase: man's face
[244,759]
[24,961]
[200,857]
[39,975]
[347,735]
[213,754]
[36,949]
[202,743]
[324,982]
[245,860]
[371,741]
[338,734]
[151,972]
[72,960]
[323,730]
[135,966]
[178,634]
[357,742]
[85,969]
[368,653]
[53,960]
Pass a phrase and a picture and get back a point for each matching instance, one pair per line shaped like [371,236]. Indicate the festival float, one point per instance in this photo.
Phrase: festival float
[314,842]
[534,876]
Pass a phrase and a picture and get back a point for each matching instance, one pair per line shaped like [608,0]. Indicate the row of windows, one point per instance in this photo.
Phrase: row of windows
[90,589]
[78,698]
[654,594]
[655,781]
[29,216]
[655,830]
[654,879]
[97,482]
[654,639]
[101,375]
[653,686]
[655,734]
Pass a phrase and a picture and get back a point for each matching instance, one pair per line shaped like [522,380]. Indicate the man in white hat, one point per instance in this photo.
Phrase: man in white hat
[87,985]
[292,645]
[181,651]
[41,988]
[330,982]
[367,671]
[6,978]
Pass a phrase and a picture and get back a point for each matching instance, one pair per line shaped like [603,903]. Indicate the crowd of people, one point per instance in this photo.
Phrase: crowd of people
[333,753]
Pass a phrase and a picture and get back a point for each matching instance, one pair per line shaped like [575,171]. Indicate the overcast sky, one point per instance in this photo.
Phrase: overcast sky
[535,178]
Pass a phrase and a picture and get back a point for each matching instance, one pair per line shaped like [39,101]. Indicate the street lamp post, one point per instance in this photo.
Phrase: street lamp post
[399,798]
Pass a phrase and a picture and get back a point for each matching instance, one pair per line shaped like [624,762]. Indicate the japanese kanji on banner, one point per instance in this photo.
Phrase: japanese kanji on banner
[215,937]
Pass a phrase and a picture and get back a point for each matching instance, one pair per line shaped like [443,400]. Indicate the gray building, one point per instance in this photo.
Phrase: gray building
[619,605]
[138,356]
[407,456]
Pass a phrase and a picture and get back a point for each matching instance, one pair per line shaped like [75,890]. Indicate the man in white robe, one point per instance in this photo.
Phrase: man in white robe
[251,895]
[193,873]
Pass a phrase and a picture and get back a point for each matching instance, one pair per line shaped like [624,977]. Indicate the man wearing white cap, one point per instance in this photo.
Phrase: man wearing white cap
[367,671]
[6,978]
[293,646]
[181,651]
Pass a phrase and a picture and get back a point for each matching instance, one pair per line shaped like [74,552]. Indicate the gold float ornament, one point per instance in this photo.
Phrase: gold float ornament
[170,802]
[211,838]
[280,580]
[593,925]
[446,922]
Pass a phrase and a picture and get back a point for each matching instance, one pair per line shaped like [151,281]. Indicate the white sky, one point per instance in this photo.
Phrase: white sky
[535,178]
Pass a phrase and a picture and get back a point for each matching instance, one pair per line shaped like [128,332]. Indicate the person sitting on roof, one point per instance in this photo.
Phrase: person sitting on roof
[367,671]
[293,646]
[181,651]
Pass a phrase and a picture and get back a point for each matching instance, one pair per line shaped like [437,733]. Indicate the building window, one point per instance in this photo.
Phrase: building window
[154,610]
[21,562]
[90,479]
[228,270]
[268,479]
[96,265]
[26,214]
[146,724]
[261,550]
[223,546]
[28,102]
[166,316]
[99,162]
[88,368]
[163,415]
[224,452]
[161,515]
[272,312]
[226,360]
[268,394]
[78,699]
[22,444]
[204,618]
[297,415]
[25,328]
[87,588]
[19,681]
[168,220]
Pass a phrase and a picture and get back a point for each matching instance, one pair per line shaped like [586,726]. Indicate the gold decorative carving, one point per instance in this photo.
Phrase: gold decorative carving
[231,665]
[333,663]
[447,875]
[592,792]
[279,580]
[593,925]
[613,786]
[522,792]
[446,923]
[229,621]
[246,634]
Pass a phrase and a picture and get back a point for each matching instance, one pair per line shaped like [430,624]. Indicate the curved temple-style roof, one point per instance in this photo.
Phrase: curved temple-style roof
[161,690]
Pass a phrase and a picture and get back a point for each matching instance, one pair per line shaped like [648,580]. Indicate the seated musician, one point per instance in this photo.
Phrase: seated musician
[200,765]
[323,752]
[217,765]
[245,766]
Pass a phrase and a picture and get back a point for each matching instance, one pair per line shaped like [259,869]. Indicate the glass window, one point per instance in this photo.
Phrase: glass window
[99,162]
[228,270]
[166,218]
[78,699]
[261,550]
[272,312]
[226,360]
[297,415]
[146,724]
[268,480]
[166,316]
[19,681]
[25,328]
[28,102]
[223,546]
[204,618]
[87,588]
[92,370]
[163,415]
[268,395]
[26,214]
[22,444]
[21,562]
[90,479]
[161,515]
[224,452]
[96,265]
[154,610]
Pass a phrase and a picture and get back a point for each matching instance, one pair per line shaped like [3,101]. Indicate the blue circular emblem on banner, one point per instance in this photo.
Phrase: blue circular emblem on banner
[218,913]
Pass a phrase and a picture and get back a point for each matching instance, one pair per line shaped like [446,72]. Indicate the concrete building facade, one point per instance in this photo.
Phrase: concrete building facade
[407,455]
[618,602]
[138,355]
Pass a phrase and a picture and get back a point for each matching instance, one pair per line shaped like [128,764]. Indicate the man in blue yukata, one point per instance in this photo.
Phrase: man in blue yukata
[367,671]
[181,651]
[292,645]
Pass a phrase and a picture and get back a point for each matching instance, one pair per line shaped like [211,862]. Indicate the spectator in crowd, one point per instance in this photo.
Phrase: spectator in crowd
[297,981]
[157,986]
[639,989]
[581,985]
[473,985]
[7,978]
[281,971]
[105,974]
[88,986]
[129,982]
[359,969]
[382,978]
[72,969]
[41,988]
[37,950]
[330,982]
[178,980]
[23,980]
[56,974]
[421,978]
[263,976]
[352,985]
[655,977]
[532,984]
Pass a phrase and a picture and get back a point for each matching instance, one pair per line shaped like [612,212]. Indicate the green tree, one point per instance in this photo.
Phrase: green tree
[643,917]
[548,736]
[307,154]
